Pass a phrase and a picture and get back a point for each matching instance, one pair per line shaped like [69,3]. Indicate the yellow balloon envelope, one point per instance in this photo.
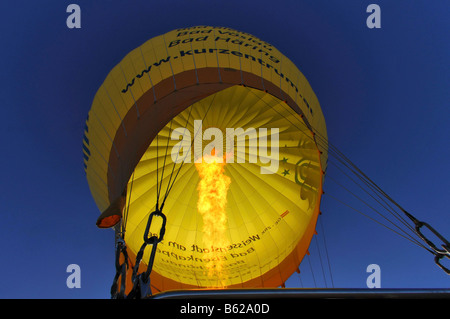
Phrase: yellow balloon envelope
[220,127]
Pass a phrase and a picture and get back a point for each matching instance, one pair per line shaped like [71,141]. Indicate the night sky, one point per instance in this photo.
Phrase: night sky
[384,93]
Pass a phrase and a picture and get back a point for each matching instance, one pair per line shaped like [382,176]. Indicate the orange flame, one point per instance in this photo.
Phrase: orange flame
[212,200]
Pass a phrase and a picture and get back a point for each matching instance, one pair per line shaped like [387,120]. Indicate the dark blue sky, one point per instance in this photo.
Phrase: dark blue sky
[384,93]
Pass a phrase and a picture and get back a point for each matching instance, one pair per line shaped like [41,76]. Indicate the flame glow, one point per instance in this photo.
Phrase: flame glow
[212,200]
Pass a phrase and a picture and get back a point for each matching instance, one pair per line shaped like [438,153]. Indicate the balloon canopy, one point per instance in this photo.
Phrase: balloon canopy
[217,129]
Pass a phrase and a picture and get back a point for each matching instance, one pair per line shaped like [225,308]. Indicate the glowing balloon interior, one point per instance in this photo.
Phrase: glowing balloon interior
[222,127]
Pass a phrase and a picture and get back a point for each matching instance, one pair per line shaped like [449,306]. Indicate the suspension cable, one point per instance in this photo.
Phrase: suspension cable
[326,252]
[320,260]
[323,142]
[169,186]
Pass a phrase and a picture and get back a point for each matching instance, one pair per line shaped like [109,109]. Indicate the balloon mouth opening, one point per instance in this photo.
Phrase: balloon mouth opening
[226,219]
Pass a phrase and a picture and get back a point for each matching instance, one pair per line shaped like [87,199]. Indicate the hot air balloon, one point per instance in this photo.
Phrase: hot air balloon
[200,151]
